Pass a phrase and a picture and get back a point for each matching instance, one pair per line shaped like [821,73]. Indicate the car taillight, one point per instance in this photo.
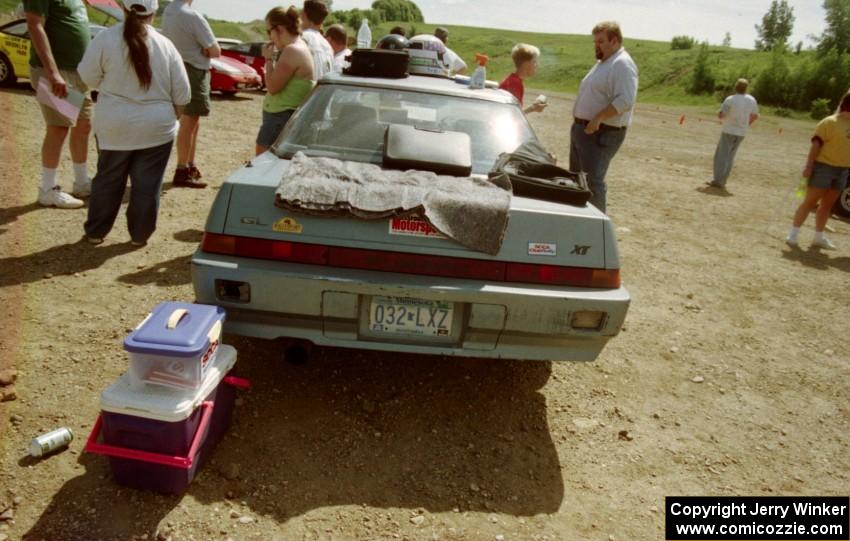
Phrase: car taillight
[219,244]
[406,263]
[430,265]
[567,276]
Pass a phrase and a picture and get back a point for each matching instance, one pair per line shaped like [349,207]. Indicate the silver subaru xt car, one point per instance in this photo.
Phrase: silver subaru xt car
[552,292]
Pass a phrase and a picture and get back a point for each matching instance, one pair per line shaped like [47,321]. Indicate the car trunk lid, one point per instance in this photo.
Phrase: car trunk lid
[539,233]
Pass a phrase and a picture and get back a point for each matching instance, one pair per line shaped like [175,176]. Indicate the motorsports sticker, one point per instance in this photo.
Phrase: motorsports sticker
[413,227]
[287,225]
[542,248]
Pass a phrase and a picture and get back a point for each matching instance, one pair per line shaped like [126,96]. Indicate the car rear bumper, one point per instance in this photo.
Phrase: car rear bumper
[330,307]
[233,83]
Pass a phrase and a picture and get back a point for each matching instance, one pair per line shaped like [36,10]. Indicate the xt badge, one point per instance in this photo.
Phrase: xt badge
[580,250]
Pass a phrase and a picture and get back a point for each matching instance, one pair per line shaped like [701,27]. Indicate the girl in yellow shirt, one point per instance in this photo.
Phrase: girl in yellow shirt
[826,168]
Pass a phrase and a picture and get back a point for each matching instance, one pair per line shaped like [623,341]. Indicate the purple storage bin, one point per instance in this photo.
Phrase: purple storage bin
[157,438]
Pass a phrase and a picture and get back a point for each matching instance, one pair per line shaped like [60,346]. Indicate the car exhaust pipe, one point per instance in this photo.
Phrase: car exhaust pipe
[298,352]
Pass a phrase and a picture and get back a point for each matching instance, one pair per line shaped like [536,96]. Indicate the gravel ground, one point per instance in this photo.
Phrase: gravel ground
[729,379]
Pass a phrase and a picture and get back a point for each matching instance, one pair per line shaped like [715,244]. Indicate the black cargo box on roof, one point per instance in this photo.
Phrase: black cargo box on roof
[377,63]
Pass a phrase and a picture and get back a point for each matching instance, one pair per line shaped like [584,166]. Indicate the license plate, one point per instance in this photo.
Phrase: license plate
[402,315]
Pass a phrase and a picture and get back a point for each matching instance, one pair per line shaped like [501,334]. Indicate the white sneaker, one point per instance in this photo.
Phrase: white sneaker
[792,241]
[82,189]
[824,243]
[57,198]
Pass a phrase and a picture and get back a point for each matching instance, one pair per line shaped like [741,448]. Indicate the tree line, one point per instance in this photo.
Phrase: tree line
[381,10]
[810,86]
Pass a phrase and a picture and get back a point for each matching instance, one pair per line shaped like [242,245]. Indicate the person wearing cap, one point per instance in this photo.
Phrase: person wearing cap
[603,109]
[60,33]
[142,86]
[454,62]
[191,34]
[313,15]
[525,58]
[338,40]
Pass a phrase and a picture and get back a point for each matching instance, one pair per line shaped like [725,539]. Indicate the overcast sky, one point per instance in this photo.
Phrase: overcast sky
[646,19]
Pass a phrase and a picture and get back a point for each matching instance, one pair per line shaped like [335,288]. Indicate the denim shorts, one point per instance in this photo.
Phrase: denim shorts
[273,124]
[828,177]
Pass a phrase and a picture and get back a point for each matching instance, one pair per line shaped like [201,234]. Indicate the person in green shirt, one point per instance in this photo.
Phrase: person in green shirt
[59,31]
[289,79]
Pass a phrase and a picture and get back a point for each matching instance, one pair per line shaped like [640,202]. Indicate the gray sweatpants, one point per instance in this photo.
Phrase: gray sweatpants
[724,156]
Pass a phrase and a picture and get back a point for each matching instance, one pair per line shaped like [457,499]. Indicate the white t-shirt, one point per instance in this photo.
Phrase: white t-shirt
[323,55]
[453,61]
[189,31]
[128,117]
[613,81]
[339,60]
[737,109]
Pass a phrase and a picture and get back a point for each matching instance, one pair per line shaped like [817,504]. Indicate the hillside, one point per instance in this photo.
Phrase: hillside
[565,58]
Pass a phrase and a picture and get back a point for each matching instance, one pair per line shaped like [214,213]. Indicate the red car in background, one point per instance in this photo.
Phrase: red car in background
[228,76]
[250,53]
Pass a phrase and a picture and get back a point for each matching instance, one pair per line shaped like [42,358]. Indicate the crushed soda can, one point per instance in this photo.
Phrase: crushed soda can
[50,442]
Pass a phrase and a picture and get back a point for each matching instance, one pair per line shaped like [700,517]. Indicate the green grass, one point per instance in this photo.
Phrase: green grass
[8,6]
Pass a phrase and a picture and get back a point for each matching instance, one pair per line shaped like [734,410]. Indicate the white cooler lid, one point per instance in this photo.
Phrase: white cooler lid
[164,403]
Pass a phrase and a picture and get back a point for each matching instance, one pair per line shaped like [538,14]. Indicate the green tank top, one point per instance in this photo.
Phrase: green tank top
[292,96]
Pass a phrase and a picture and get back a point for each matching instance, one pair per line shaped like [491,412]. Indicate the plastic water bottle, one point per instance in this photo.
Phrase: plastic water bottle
[364,35]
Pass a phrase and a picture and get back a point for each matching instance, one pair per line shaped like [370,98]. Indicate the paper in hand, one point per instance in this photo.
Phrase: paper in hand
[69,106]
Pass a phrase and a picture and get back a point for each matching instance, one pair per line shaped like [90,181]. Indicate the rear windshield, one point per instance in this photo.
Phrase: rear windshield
[348,123]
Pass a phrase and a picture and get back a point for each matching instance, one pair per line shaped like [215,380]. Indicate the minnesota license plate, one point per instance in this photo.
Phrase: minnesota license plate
[416,317]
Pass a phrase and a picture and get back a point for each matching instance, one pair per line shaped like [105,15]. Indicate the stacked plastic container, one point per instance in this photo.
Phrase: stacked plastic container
[162,419]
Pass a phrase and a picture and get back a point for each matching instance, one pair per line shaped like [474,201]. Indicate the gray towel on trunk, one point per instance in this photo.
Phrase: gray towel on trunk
[471,211]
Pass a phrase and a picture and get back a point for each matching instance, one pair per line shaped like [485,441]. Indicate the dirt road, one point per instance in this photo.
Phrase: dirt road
[730,378]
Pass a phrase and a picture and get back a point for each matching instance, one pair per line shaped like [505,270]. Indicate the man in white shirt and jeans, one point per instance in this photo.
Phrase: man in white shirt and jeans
[737,113]
[603,109]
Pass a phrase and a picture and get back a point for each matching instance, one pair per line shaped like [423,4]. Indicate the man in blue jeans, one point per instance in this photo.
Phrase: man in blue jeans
[737,113]
[603,109]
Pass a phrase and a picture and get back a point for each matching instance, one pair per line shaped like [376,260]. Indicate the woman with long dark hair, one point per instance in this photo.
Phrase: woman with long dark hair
[289,78]
[142,86]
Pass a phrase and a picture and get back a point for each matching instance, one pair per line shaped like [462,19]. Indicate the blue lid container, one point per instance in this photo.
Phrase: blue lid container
[175,329]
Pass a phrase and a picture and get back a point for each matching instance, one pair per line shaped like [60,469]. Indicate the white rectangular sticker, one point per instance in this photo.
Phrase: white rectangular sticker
[542,248]
[413,227]
[415,112]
